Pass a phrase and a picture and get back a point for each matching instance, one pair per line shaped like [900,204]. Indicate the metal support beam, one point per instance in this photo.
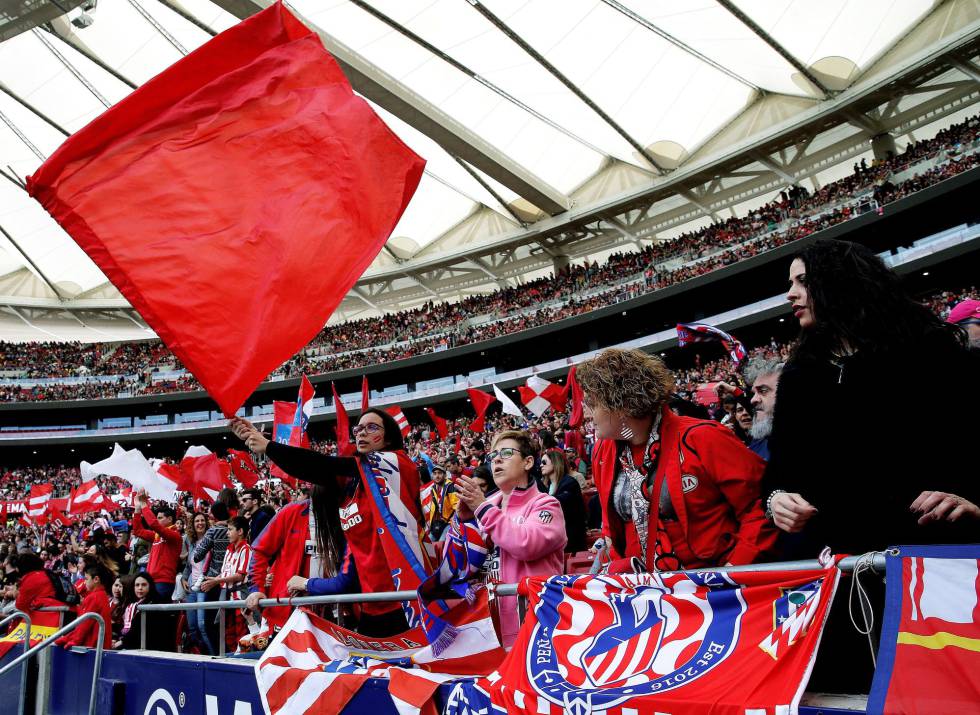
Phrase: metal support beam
[33,265]
[774,167]
[557,74]
[174,7]
[500,199]
[967,68]
[640,20]
[690,196]
[33,110]
[424,286]
[161,30]
[453,62]
[771,41]
[360,294]
[62,30]
[478,262]
[387,92]
[20,135]
[623,231]
[70,67]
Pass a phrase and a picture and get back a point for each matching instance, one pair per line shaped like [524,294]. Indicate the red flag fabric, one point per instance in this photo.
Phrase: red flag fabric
[540,394]
[575,417]
[442,429]
[37,503]
[59,519]
[344,446]
[365,394]
[481,401]
[204,476]
[86,497]
[930,638]
[251,157]
[679,643]
[396,412]
[290,421]
[243,467]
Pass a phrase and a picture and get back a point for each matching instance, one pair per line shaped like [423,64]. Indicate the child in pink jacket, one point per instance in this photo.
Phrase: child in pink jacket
[525,526]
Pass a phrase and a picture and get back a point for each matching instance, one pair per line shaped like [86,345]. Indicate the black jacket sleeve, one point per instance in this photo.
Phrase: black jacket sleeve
[311,466]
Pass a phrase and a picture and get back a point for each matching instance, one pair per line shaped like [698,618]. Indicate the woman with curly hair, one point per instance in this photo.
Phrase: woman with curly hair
[676,492]
[874,412]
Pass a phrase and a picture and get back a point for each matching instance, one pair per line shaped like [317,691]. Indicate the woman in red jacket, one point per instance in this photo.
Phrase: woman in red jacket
[98,580]
[344,510]
[35,589]
[676,492]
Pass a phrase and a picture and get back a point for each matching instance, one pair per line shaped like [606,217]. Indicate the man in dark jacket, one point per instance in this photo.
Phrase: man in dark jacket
[258,514]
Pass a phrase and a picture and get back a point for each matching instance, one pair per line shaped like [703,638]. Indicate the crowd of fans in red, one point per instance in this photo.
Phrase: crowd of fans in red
[796,213]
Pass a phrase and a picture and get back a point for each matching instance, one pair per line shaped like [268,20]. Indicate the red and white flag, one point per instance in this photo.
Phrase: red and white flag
[243,467]
[85,498]
[136,469]
[682,643]
[314,666]
[37,503]
[929,655]
[396,412]
[539,395]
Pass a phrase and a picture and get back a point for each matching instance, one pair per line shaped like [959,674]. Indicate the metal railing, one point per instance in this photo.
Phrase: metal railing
[876,560]
[15,614]
[48,642]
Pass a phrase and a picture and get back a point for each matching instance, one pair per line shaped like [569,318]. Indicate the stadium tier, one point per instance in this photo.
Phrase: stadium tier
[642,377]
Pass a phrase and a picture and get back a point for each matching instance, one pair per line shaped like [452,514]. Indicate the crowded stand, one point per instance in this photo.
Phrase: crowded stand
[579,289]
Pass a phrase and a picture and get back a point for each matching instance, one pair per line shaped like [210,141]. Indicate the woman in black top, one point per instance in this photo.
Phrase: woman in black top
[556,481]
[873,413]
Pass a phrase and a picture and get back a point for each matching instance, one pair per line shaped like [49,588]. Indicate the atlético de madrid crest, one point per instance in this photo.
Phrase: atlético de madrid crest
[629,635]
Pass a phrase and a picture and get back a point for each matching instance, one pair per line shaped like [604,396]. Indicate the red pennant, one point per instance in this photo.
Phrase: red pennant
[481,401]
[251,157]
[243,467]
[365,394]
[344,446]
[576,416]
[442,429]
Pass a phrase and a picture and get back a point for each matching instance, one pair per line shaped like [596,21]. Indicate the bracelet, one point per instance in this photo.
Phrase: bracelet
[769,502]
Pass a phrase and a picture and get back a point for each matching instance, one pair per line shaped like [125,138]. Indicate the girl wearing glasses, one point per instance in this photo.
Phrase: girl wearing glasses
[341,508]
[524,526]
[676,492]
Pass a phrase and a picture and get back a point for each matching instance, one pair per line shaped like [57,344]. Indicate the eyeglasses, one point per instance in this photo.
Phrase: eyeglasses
[372,428]
[504,453]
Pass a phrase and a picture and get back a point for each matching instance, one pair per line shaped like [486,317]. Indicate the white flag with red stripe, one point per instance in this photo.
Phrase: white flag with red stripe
[37,502]
[316,666]
[539,395]
[396,412]
[86,497]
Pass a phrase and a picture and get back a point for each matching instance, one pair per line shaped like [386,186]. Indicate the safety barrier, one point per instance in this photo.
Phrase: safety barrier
[15,614]
[47,643]
[875,560]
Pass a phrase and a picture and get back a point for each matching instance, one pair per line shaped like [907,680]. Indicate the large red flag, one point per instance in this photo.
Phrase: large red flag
[481,401]
[344,446]
[252,158]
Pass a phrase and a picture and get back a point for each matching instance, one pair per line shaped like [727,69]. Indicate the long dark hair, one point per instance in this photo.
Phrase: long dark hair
[329,535]
[393,433]
[151,595]
[859,303]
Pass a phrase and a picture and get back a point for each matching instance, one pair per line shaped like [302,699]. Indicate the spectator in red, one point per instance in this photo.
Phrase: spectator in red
[354,511]
[97,580]
[967,315]
[165,543]
[676,492]
[35,589]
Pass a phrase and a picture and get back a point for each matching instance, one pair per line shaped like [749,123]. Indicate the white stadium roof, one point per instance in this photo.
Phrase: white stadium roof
[551,128]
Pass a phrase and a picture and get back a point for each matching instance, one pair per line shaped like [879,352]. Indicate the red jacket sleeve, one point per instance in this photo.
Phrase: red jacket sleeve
[737,473]
[170,536]
[264,551]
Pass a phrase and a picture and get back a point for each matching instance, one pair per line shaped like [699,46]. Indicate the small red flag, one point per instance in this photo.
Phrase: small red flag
[442,429]
[250,157]
[396,412]
[481,401]
[243,467]
[344,446]
[576,416]
[365,394]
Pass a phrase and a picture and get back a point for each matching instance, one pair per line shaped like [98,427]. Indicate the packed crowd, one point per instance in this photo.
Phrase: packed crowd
[794,214]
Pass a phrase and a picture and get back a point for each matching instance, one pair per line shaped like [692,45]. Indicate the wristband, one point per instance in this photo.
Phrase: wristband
[769,502]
